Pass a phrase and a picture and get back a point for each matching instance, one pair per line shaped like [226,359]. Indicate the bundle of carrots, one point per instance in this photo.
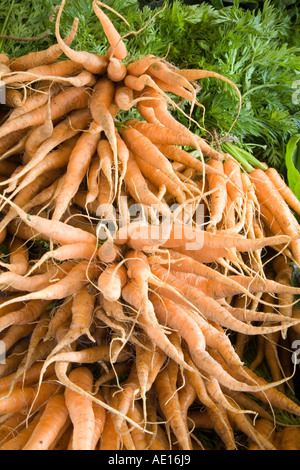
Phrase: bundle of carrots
[129,331]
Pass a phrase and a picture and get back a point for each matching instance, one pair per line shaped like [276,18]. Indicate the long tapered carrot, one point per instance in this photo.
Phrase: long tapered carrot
[94,63]
[50,423]
[118,47]
[47,56]
[79,161]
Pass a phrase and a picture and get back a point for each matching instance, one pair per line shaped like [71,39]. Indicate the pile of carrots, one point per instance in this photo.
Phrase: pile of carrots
[129,330]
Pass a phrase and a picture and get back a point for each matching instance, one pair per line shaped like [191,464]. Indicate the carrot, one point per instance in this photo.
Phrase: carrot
[144,149]
[283,189]
[27,314]
[100,418]
[109,252]
[289,439]
[18,257]
[58,231]
[170,406]
[106,157]
[82,312]
[19,441]
[50,423]
[13,360]
[67,100]
[68,285]
[62,313]
[47,56]
[268,195]
[67,252]
[14,333]
[159,179]
[28,192]
[7,142]
[63,131]
[110,439]
[14,98]
[179,155]
[94,63]
[111,281]
[21,399]
[63,68]
[41,96]
[118,48]
[116,70]
[216,184]
[138,189]
[78,164]
[31,376]
[207,306]
[152,328]
[81,409]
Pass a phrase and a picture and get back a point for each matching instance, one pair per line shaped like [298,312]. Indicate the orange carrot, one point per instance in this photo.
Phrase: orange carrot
[283,189]
[111,281]
[47,56]
[50,423]
[81,409]
[94,63]
[79,161]
[118,47]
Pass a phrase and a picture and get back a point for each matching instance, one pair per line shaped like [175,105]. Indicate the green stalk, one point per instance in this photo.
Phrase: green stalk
[243,157]
[5,23]
[233,151]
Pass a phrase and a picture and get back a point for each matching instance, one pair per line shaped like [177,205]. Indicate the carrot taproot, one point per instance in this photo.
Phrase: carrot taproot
[81,409]
[218,196]
[67,252]
[142,147]
[94,63]
[110,439]
[19,441]
[67,100]
[14,98]
[268,195]
[217,313]
[54,229]
[46,56]
[41,96]
[78,164]
[100,418]
[82,312]
[18,257]
[21,399]
[170,406]
[14,333]
[75,278]
[289,439]
[111,281]
[139,438]
[63,68]
[116,70]
[30,312]
[30,191]
[137,187]
[283,189]
[62,313]
[118,47]
[50,423]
